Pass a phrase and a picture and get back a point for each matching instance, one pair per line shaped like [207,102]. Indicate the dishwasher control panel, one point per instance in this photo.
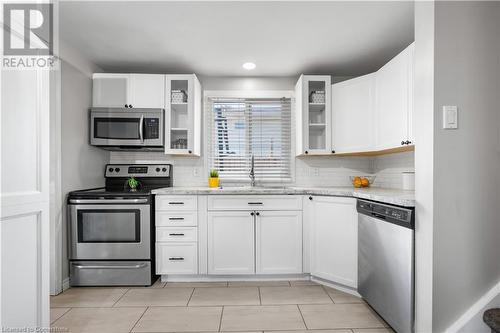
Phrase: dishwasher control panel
[394,214]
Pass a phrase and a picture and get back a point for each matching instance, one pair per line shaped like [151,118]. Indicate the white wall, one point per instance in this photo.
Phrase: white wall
[466,261]
[82,166]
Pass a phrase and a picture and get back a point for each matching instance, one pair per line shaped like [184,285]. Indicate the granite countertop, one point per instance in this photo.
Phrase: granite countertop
[385,195]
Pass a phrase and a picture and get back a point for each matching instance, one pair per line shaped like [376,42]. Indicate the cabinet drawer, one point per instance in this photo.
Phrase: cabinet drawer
[255,202]
[176,234]
[176,202]
[179,258]
[176,219]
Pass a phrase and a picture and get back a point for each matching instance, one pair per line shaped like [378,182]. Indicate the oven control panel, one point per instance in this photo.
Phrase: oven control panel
[138,170]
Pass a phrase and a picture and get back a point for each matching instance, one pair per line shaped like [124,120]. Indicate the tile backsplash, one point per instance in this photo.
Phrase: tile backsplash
[309,171]
[389,169]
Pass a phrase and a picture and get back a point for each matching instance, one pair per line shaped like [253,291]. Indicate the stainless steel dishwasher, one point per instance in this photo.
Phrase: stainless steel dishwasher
[386,261]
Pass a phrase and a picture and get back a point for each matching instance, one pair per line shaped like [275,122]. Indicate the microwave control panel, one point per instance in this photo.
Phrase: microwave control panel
[152,128]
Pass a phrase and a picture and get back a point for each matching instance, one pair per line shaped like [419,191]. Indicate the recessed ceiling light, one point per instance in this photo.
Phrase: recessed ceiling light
[249,66]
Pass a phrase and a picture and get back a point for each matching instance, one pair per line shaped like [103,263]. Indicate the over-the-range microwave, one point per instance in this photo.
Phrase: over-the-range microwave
[127,129]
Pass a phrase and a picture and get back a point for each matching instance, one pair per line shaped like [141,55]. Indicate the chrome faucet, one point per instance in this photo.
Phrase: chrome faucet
[252,172]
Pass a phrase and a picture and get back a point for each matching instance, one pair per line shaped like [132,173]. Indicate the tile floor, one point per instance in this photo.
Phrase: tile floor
[278,306]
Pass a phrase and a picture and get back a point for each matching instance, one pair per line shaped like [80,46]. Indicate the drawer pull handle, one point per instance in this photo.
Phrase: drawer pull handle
[176,234]
[176,218]
[176,203]
[255,203]
[176,259]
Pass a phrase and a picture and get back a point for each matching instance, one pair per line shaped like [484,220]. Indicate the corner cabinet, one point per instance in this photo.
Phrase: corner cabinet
[128,90]
[334,239]
[353,108]
[182,115]
[313,115]
[394,101]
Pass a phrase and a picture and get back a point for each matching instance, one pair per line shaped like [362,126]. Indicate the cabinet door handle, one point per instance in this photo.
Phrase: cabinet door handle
[310,198]
[130,105]
[176,259]
[252,214]
[176,218]
[126,105]
[257,213]
[176,203]
[255,203]
[176,234]
[402,143]
[306,152]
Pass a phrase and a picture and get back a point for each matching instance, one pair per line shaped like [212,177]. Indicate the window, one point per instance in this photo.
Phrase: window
[242,127]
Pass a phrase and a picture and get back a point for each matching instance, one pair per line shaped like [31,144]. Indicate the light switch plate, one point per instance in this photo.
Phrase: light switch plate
[450,117]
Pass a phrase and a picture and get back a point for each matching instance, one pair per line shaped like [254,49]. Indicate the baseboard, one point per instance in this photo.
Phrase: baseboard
[475,309]
[337,286]
[223,278]
[65,284]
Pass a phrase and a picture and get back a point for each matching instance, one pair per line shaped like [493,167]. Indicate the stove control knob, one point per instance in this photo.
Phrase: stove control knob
[164,169]
[117,169]
[157,169]
[110,169]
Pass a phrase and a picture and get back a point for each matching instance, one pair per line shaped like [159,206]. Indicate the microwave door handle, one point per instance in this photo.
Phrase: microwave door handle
[141,125]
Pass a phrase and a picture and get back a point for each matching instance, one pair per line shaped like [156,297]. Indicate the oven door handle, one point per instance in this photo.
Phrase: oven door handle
[106,201]
[141,125]
[137,266]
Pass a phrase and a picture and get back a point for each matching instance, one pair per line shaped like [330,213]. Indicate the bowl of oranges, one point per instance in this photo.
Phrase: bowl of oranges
[362,181]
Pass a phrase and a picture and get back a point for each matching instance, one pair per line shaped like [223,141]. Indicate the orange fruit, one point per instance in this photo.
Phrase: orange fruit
[357,182]
[365,182]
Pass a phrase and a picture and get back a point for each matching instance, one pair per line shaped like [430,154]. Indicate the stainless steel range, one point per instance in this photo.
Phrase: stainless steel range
[112,228]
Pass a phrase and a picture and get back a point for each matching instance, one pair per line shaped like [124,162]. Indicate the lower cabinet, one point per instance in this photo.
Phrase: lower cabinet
[334,239]
[231,246]
[254,242]
[278,240]
[176,258]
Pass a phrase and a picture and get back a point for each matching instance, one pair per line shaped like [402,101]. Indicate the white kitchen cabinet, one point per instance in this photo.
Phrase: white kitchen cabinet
[176,258]
[176,234]
[147,91]
[231,248]
[128,90]
[110,90]
[353,113]
[313,115]
[333,239]
[278,238]
[394,101]
[182,115]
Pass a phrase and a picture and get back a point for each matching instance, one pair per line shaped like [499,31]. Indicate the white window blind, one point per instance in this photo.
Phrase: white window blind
[242,127]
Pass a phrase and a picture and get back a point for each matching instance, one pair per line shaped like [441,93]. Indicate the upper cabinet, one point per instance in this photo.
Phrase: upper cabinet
[128,90]
[394,101]
[374,112]
[183,115]
[353,108]
[313,115]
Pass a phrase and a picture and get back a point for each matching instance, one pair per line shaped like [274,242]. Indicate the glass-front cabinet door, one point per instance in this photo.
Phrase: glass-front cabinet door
[313,115]
[183,115]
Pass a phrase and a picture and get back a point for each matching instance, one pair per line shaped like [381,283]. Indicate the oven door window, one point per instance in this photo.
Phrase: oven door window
[109,226]
[117,128]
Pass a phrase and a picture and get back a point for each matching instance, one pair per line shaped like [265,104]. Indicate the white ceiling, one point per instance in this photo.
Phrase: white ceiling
[215,38]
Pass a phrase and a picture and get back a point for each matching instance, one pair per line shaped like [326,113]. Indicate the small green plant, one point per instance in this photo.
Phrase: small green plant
[132,183]
[214,173]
